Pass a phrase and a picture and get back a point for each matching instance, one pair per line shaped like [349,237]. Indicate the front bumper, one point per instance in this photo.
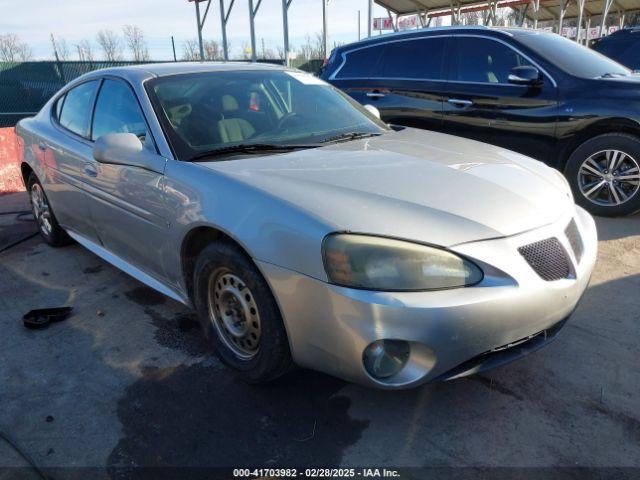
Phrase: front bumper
[330,326]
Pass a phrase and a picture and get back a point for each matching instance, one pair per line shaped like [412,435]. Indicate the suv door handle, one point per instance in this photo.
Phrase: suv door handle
[459,102]
[375,95]
[90,170]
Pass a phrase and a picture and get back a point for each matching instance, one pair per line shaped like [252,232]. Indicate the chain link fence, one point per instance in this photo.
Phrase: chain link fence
[26,86]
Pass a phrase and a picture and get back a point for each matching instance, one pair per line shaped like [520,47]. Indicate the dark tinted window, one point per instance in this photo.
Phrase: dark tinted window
[417,59]
[625,50]
[360,63]
[484,60]
[567,55]
[117,111]
[76,109]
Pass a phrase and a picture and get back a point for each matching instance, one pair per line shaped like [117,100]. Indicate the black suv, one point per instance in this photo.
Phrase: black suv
[623,46]
[530,91]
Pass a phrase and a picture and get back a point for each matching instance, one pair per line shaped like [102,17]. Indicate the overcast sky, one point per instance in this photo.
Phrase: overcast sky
[75,20]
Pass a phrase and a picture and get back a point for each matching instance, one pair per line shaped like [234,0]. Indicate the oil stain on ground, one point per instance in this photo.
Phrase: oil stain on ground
[145,296]
[180,332]
[200,416]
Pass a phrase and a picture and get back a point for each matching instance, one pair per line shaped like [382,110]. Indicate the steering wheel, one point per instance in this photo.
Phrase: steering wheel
[287,118]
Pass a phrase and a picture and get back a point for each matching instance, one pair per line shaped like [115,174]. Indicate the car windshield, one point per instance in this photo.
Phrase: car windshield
[218,111]
[569,56]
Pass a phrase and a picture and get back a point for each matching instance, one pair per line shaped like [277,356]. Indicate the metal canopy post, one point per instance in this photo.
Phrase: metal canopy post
[200,23]
[224,18]
[580,14]
[606,6]
[563,11]
[586,33]
[324,28]
[285,29]
[621,18]
[252,27]
[536,13]
[370,18]
[393,24]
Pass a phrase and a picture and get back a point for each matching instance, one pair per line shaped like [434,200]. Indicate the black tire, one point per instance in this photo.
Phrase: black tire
[272,357]
[50,231]
[623,142]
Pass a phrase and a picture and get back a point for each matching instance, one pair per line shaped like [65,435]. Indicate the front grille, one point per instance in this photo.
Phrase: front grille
[575,240]
[547,258]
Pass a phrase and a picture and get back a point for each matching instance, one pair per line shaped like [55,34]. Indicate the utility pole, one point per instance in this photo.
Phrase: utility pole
[370,19]
[358,25]
[285,29]
[55,48]
[173,45]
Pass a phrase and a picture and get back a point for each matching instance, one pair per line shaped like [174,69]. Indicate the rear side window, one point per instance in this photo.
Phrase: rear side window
[415,59]
[76,109]
[117,111]
[483,60]
[360,63]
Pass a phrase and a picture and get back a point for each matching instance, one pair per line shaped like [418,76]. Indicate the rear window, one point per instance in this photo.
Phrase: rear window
[415,59]
[623,50]
[360,63]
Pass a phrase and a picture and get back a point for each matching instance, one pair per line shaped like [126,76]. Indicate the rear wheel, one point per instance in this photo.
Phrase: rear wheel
[239,314]
[48,226]
[604,173]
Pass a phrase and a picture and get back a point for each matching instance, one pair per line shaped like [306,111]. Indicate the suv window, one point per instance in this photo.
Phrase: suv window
[76,109]
[360,63]
[419,59]
[484,60]
[117,111]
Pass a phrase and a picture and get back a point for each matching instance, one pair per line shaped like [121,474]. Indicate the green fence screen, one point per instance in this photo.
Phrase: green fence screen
[26,86]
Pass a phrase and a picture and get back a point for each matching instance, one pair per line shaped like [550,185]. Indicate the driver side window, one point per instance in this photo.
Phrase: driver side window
[117,111]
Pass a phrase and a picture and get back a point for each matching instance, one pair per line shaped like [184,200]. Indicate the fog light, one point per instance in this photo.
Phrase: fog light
[385,358]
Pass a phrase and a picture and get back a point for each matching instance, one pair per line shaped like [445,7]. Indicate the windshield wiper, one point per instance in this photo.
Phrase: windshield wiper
[249,148]
[345,137]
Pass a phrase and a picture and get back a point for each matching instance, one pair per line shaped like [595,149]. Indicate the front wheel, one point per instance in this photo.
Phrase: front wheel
[604,174]
[239,314]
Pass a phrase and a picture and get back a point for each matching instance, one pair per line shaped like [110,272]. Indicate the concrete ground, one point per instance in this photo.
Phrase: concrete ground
[127,381]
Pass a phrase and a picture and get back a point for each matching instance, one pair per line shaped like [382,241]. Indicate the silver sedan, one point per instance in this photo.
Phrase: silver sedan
[302,229]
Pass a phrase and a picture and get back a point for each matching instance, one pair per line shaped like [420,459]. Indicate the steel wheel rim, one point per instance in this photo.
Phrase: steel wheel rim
[609,178]
[234,313]
[41,210]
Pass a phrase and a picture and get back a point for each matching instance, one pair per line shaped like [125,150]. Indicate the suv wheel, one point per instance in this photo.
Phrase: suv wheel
[604,173]
[239,314]
[48,226]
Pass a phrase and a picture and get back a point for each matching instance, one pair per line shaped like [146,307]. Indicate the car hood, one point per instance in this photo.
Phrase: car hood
[412,184]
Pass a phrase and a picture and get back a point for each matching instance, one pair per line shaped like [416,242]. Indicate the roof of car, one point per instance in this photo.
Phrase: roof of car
[174,68]
[513,31]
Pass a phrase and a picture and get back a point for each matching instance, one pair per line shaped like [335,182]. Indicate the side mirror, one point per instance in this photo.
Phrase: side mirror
[525,76]
[372,110]
[126,149]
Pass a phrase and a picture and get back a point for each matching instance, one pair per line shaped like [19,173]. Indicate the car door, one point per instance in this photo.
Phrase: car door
[404,79]
[481,103]
[127,202]
[64,155]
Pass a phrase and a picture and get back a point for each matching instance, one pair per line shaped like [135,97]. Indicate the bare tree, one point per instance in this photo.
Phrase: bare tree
[85,51]
[471,18]
[312,48]
[60,48]
[212,50]
[12,49]
[134,38]
[191,50]
[110,44]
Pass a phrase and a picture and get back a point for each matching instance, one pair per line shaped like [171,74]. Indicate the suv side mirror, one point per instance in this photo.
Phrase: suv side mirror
[126,149]
[525,75]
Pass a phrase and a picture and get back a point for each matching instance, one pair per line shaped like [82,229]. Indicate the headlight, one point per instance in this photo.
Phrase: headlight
[376,263]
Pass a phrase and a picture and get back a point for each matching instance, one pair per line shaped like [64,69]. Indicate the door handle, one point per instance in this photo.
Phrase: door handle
[90,170]
[459,102]
[375,95]
[42,146]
